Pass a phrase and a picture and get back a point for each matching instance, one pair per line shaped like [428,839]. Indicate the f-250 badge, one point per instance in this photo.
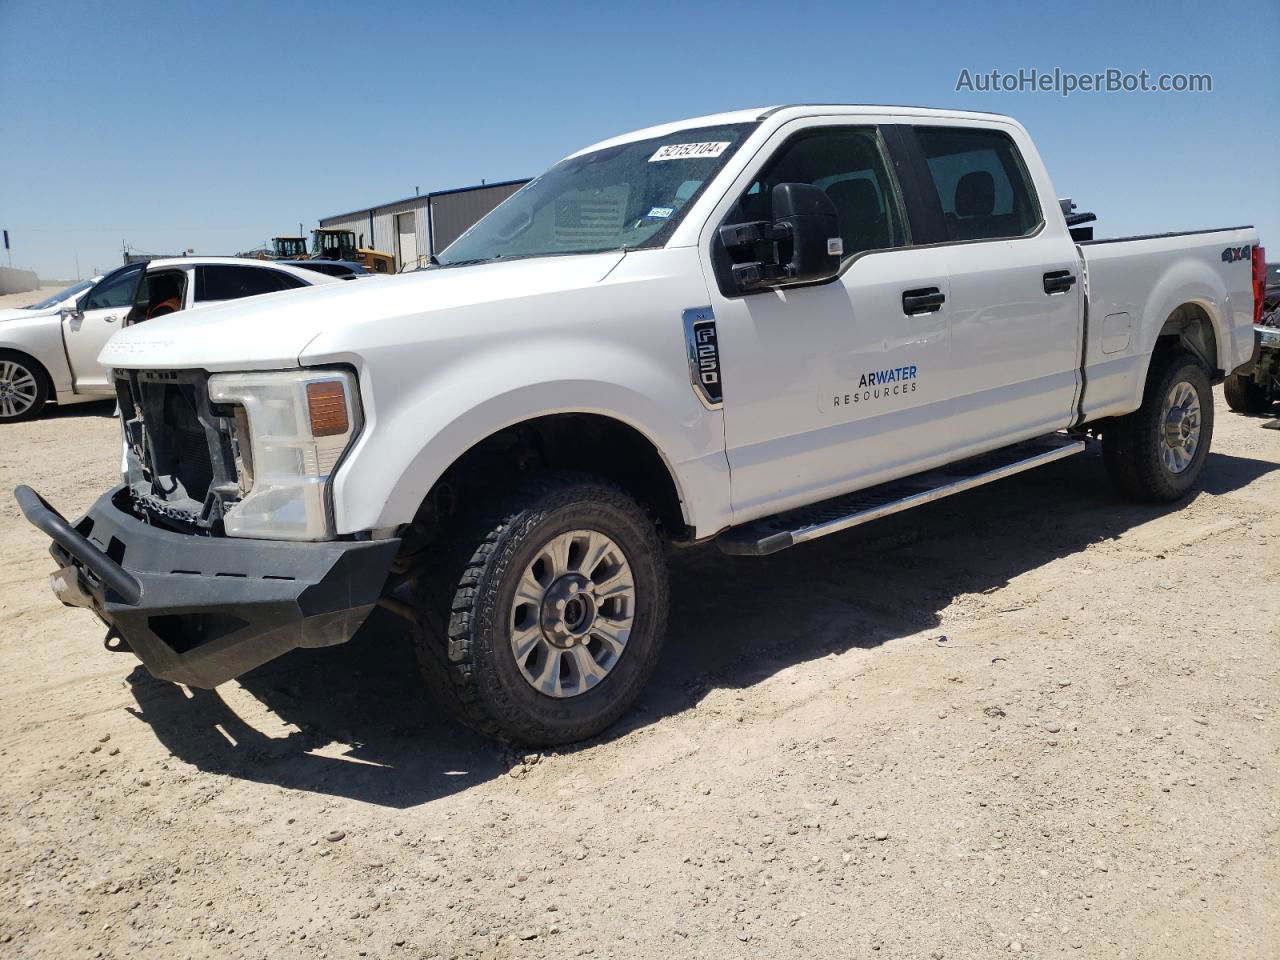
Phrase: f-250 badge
[704,355]
[1232,254]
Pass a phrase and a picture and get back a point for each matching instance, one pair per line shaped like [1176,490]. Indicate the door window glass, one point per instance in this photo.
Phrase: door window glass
[981,182]
[849,164]
[113,292]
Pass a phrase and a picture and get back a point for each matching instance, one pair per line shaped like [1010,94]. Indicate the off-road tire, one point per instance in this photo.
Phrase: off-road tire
[463,596]
[1244,395]
[42,386]
[1130,444]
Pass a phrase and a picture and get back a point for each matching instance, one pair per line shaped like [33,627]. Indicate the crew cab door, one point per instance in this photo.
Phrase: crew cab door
[86,331]
[830,387]
[1014,297]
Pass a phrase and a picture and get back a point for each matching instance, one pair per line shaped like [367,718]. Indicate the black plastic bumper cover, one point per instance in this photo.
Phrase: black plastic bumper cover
[201,610]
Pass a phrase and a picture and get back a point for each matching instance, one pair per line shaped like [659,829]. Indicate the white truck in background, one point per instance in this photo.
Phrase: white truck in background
[757,328]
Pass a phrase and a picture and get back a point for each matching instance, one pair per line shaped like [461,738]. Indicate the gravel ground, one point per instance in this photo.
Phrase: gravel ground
[1030,720]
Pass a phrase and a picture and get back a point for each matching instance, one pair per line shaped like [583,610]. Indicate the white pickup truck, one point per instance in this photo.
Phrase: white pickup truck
[756,328]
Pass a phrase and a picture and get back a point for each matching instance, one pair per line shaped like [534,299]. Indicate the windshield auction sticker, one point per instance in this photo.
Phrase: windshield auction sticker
[689,151]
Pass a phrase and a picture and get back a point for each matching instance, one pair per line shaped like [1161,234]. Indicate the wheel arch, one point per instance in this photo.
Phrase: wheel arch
[1191,327]
[1189,306]
[415,446]
[594,443]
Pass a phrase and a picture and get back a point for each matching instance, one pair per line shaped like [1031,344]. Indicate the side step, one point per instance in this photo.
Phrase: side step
[771,534]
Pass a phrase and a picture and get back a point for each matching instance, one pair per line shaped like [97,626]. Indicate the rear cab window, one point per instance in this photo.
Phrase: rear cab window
[982,183]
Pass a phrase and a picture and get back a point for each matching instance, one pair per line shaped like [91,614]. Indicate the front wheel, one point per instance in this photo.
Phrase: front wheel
[1244,395]
[1157,452]
[24,387]
[550,617]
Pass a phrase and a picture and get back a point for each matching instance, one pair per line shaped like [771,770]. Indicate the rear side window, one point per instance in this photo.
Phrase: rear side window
[981,182]
[227,282]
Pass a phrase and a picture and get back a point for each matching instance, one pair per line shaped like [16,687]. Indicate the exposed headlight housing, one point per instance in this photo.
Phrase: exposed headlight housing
[291,428]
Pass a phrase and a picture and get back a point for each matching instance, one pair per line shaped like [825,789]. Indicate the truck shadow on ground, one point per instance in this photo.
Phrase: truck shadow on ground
[90,408]
[359,725]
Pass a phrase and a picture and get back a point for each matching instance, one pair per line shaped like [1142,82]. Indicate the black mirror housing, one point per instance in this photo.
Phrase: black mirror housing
[801,244]
[814,228]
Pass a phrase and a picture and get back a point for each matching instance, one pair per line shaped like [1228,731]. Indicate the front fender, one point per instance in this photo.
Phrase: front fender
[40,337]
[415,431]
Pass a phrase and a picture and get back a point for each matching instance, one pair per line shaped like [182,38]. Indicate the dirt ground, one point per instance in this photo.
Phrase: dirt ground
[33,296]
[1030,720]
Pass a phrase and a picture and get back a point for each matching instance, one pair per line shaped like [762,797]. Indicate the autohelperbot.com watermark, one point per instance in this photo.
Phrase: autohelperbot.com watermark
[1065,82]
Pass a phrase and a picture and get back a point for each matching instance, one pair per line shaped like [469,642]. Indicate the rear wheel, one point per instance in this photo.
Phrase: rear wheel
[548,620]
[24,387]
[1157,452]
[1244,395]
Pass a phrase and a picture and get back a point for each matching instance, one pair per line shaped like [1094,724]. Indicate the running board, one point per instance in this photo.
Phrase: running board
[771,534]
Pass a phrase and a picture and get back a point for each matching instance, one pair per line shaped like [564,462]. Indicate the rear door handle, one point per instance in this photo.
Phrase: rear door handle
[924,300]
[1058,281]
[110,319]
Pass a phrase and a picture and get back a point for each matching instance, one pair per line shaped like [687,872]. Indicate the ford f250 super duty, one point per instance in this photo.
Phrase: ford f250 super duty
[757,328]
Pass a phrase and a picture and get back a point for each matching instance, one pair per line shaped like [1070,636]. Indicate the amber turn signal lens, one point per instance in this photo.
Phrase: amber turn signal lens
[327,405]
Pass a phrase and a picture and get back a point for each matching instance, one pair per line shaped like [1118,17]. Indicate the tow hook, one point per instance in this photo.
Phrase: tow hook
[114,643]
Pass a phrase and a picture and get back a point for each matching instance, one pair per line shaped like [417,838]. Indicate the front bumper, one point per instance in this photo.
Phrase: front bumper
[201,610]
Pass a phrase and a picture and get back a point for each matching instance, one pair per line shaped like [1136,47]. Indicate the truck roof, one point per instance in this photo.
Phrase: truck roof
[788,112]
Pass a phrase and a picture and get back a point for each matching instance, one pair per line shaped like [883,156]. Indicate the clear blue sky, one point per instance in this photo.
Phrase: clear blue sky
[215,125]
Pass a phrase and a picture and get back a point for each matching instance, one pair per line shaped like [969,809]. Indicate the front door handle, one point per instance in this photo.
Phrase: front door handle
[1058,281]
[110,319]
[924,300]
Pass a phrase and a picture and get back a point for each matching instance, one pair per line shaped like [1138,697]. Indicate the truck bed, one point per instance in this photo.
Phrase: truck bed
[1134,285]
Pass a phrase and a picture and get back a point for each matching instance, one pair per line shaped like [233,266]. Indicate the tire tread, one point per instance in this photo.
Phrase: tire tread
[450,591]
[1130,443]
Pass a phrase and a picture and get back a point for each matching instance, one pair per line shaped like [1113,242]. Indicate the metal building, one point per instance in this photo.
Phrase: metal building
[416,227]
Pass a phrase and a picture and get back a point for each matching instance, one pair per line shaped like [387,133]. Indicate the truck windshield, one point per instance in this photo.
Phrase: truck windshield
[631,195]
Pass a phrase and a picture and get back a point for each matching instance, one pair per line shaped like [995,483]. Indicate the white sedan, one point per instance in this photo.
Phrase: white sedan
[49,351]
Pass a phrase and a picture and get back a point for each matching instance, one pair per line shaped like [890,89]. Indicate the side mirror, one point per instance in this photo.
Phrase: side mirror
[71,313]
[801,244]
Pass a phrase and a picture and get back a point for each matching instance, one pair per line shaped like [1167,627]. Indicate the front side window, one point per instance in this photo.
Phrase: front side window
[114,291]
[981,182]
[227,282]
[849,164]
[627,196]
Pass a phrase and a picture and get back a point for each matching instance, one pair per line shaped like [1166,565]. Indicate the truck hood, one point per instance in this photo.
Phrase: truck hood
[272,331]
